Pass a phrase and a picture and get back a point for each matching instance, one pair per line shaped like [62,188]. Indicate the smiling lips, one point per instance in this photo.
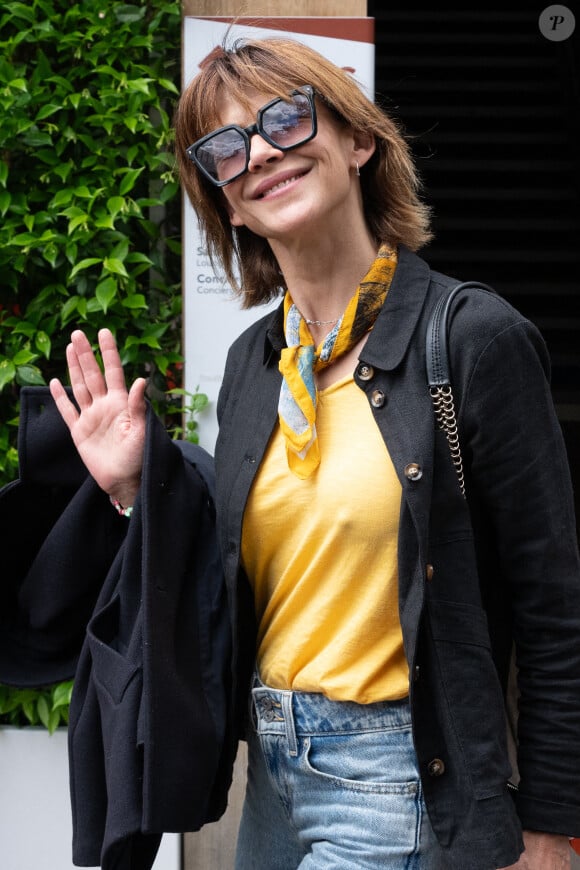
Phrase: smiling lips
[268,188]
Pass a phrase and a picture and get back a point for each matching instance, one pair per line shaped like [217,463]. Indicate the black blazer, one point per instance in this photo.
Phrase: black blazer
[148,747]
[473,576]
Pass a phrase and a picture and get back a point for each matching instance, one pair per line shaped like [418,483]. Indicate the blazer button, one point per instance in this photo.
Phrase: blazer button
[429,571]
[436,767]
[365,372]
[377,398]
[416,673]
[413,471]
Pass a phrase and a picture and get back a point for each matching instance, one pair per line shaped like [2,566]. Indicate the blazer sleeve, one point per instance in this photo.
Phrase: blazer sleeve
[519,480]
[59,539]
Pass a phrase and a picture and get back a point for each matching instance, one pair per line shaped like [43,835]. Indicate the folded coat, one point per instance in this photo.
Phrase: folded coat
[151,744]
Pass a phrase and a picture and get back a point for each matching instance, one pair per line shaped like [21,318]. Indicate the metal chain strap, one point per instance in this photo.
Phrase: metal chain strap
[444,407]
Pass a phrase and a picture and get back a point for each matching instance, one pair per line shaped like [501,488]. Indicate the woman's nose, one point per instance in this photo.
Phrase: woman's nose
[262,152]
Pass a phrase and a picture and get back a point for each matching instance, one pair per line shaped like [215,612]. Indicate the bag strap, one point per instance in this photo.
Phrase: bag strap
[439,372]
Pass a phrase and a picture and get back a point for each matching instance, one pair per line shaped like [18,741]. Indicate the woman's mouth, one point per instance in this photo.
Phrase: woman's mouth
[279,185]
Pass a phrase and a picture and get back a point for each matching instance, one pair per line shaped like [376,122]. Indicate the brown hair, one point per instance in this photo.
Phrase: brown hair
[389,181]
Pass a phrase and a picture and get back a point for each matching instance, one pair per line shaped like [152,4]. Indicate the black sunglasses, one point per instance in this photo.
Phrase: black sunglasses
[224,155]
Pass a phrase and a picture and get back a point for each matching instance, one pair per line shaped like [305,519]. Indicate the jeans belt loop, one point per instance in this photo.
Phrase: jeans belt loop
[289,720]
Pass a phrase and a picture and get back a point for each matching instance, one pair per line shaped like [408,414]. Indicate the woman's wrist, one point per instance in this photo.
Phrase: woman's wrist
[121,510]
[123,497]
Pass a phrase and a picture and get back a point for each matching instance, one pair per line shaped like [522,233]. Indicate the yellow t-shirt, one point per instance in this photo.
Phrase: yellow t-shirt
[321,555]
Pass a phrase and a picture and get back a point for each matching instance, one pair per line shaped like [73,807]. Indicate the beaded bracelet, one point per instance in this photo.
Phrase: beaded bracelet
[123,511]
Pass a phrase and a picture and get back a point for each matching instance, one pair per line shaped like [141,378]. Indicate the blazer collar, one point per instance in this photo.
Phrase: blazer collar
[391,334]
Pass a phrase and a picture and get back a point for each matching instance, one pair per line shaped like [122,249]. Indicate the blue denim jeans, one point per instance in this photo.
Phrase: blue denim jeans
[332,786]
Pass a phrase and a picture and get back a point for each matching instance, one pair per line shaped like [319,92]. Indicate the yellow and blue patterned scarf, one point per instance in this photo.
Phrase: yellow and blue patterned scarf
[301,359]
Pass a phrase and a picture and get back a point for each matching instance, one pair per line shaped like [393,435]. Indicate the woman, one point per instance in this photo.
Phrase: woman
[361,596]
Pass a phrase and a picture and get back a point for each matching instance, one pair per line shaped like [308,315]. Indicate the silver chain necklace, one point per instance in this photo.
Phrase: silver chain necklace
[321,322]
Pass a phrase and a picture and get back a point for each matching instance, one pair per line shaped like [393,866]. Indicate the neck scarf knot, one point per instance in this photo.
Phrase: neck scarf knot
[301,359]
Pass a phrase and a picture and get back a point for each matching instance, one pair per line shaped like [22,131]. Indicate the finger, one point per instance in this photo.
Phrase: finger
[136,400]
[114,375]
[86,367]
[77,379]
[65,407]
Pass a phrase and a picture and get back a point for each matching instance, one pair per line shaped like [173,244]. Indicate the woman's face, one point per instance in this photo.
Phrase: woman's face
[298,192]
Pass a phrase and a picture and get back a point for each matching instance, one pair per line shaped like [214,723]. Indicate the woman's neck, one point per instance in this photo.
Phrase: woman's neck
[322,279]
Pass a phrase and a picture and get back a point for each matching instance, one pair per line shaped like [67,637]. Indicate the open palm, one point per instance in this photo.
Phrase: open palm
[108,427]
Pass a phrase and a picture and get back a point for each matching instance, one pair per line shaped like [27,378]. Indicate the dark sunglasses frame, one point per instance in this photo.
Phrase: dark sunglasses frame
[252,130]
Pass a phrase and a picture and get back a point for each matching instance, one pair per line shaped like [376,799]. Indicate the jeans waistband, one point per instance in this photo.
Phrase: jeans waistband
[297,714]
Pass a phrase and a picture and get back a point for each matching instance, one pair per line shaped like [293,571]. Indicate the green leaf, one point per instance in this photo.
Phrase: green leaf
[168,85]
[5,200]
[53,721]
[61,81]
[47,110]
[36,138]
[23,357]
[105,293]
[128,14]
[116,266]
[61,694]
[63,170]
[105,221]
[23,327]
[138,257]
[68,309]
[23,239]
[30,710]
[84,264]
[29,376]
[62,197]
[151,341]
[121,250]
[7,372]
[43,710]
[51,254]
[129,179]
[43,343]
[78,221]
[115,204]
[137,300]
[131,123]
[21,10]
[18,85]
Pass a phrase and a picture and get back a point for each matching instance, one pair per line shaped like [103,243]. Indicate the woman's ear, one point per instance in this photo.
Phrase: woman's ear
[364,147]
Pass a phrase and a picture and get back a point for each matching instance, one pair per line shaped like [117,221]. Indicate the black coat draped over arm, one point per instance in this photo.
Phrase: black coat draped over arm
[135,610]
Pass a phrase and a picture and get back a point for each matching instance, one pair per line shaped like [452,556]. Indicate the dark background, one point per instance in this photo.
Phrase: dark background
[492,109]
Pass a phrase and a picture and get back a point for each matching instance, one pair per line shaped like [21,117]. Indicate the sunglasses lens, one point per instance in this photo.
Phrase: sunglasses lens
[223,156]
[288,124]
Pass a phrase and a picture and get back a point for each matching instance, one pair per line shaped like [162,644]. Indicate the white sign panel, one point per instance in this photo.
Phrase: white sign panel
[212,314]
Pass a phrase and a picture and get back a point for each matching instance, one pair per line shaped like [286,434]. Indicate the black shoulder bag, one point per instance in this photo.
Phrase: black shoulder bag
[439,372]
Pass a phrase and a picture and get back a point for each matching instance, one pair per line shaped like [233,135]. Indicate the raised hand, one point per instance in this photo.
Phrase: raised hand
[109,428]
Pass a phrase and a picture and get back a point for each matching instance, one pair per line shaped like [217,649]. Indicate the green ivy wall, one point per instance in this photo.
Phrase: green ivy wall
[89,207]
